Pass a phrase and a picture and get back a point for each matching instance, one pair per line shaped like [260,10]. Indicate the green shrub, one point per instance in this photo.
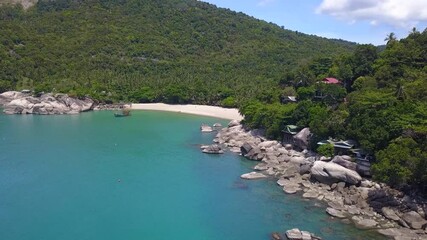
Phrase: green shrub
[402,162]
[229,102]
[326,150]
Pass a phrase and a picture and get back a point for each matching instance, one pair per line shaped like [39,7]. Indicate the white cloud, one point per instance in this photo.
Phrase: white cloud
[402,13]
[263,3]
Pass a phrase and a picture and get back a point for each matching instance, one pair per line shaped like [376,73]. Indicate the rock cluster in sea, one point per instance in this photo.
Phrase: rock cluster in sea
[367,204]
[46,104]
[206,128]
[295,234]
[212,149]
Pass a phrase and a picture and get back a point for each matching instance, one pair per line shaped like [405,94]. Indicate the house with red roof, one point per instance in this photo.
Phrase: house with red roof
[330,80]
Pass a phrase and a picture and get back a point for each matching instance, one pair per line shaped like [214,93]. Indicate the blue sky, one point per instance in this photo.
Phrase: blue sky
[362,21]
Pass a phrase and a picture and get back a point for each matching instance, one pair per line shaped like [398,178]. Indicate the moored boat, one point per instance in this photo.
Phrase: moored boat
[125,113]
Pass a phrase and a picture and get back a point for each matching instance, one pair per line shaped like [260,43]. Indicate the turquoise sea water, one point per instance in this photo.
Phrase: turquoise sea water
[92,176]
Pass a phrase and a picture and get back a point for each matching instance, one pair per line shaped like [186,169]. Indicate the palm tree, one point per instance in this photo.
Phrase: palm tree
[391,37]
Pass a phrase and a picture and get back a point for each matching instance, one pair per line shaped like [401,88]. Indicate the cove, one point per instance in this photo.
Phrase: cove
[93,176]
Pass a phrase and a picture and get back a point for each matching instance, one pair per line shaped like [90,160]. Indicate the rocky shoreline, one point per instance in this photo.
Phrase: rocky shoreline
[15,102]
[349,196]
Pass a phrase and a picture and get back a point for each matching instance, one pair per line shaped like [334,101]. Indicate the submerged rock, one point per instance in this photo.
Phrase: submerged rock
[276,236]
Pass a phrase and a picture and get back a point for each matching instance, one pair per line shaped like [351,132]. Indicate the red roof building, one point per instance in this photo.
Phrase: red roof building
[331,81]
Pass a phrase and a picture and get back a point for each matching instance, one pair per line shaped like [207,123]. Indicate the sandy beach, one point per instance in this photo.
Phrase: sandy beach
[204,110]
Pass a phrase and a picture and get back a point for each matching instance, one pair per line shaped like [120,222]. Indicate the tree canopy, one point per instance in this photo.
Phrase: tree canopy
[175,51]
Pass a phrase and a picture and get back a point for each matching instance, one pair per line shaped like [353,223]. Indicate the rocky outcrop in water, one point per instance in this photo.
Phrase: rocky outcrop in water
[212,149]
[206,128]
[296,234]
[46,104]
[335,181]
[253,175]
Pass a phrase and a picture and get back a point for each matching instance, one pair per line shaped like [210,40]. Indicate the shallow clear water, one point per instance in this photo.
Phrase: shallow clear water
[93,176]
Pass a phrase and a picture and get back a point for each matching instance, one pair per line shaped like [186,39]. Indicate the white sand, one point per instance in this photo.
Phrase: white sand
[204,110]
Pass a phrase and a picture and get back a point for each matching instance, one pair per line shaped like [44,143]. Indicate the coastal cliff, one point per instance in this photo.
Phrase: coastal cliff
[357,200]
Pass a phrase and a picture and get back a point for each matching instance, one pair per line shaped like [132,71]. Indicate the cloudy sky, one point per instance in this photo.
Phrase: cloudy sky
[362,21]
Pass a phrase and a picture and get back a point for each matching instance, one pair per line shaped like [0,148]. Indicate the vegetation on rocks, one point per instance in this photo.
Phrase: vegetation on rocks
[326,150]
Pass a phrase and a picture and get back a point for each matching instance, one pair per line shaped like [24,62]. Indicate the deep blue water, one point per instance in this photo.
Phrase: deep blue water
[92,176]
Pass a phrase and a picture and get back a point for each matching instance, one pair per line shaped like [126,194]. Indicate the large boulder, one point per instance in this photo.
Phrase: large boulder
[390,214]
[335,213]
[344,161]
[302,139]
[294,234]
[20,105]
[414,220]
[298,160]
[267,144]
[310,194]
[254,154]
[245,148]
[7,97]
[329,172]
[233,123]
[364,223]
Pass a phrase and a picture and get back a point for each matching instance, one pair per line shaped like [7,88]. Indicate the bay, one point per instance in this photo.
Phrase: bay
[93,176]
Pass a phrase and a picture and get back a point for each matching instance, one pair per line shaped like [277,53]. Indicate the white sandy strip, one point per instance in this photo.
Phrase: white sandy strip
[204,110]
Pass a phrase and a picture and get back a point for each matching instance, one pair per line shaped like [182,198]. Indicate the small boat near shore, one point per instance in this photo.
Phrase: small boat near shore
[124,113]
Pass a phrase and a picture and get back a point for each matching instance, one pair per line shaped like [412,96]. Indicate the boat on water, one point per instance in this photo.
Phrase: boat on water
[124,113]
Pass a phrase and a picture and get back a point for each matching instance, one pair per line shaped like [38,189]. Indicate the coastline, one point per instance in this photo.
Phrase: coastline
[202,110]
[352,199]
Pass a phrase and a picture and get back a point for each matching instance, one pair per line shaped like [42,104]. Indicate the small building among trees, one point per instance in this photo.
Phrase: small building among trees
[331,80]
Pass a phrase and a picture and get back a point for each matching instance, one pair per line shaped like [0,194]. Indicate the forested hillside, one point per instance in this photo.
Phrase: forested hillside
[381,103]
[177,51]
